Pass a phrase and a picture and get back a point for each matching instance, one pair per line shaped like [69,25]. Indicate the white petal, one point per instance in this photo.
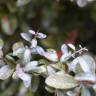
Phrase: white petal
[5,72]
[40,50]
[30,66]
[84,65]
[64,48]
[32,32]
[27,55]
[71,46]
[52,56]
[33,43]
[81,3]
[26,36]
[41,35]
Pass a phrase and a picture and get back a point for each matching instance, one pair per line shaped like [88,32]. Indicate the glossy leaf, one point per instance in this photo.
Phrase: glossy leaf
[32,32]
[19,73]
[64,48]
[61,81]
[40,50]
[51,55]
[84,65]
[50,70]
[5,72]
[41,35]
[27,56]
[17,45]
[31,66]
[26,36]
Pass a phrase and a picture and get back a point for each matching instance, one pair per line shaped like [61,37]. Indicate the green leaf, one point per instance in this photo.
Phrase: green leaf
[17,45]
[31,66]
[35,83]
[61,80]
[6,25]
[49,89]
[1,54]
[60,93]
[5,72]
[26,36]
[85,92]
[18,49]
[10,61]
[59,66]
[1,43]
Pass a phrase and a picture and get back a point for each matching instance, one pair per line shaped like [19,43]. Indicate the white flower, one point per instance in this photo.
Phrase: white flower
[19,73]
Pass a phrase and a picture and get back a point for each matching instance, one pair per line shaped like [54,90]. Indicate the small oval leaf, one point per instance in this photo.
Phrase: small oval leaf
[61,81]
[26,36]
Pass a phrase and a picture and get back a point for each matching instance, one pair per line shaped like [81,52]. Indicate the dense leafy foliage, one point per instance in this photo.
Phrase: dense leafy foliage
[32,63]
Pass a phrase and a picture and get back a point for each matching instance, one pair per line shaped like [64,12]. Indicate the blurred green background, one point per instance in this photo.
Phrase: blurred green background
[62,20]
